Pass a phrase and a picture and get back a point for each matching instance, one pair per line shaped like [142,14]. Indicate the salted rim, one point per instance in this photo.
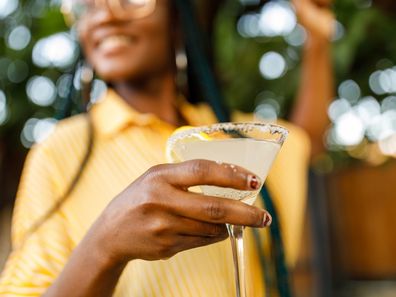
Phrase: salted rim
[244,126]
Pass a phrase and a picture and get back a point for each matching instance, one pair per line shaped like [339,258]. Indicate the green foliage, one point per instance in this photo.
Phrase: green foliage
[368,44]
[237,59]
[43,19]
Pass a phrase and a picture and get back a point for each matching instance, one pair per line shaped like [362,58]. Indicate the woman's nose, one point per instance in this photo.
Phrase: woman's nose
[103,14]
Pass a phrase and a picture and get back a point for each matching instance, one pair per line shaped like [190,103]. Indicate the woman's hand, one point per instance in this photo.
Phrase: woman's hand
[316,17]
[156,216]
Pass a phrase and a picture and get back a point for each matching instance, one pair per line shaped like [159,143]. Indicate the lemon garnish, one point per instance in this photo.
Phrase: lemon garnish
[171,146]
[182,128]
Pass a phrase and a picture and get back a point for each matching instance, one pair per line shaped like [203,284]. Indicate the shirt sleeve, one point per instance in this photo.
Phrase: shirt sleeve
[37,257]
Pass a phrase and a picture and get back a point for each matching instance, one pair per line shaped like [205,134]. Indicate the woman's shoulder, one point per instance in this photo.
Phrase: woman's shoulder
[70,131]
[62,151]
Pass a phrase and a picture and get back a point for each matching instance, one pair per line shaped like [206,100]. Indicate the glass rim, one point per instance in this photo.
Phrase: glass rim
[264,127]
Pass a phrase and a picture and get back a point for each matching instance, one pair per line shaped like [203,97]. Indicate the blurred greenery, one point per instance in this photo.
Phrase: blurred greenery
[368,44]
[43,19]
[242,82]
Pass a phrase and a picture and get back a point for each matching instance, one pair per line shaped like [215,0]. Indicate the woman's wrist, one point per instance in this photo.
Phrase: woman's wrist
[97,254]
[90,270]
[315,43]
[100,248]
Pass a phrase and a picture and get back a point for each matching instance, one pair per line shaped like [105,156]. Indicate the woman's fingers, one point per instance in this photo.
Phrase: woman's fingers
[163,218]
[191,227]
[316,17]
[204,172]
[218,210]
[190,242]
[205,208]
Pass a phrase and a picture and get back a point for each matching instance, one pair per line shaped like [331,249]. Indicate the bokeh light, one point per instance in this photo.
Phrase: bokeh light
[367,109]
[7,7]
[17,71]
[19,38]
[349,90]
[339,31]
[388,103]
[387,80]
[337,108]
[37,130]
[3,101]
[382,126]
[349,129]
[364,3]
[388,146]
[367,118]
[58,50]
[99,87]
[3,108]
[248,25]
[43,129]
[277,18]
[272,65]
[250,2]
[4,63]
[266,111]
[383,81]
[63,85]
[297,37]
[41,90]
[374,82]
[27,137]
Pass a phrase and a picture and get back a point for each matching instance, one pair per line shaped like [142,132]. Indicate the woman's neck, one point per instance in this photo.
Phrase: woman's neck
[156,96]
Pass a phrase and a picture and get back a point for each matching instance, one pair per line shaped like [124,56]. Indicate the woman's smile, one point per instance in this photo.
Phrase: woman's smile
[115,43]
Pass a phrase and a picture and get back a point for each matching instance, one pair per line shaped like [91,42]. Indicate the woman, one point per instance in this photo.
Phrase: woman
[129,227]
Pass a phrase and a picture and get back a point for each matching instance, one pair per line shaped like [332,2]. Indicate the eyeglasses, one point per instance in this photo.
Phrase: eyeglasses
[74,10]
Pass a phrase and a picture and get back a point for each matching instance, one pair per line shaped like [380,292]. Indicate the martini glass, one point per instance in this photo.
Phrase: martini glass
[252,146]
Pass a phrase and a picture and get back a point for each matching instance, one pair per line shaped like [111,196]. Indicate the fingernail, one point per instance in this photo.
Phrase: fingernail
[253,182]
[267,220]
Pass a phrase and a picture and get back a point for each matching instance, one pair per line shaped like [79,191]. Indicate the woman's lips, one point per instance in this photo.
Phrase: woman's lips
[115,43]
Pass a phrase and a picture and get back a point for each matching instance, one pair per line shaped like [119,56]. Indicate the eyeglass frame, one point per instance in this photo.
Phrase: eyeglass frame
[114,6]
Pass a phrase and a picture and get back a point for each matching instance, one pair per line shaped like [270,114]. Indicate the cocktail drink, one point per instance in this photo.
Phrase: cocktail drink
[252,146]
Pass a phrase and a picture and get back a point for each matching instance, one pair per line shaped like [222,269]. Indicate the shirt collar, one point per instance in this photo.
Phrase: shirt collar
[111,114]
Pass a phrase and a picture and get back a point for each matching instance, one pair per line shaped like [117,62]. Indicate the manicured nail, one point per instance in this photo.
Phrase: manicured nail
[267,220]
[253,182]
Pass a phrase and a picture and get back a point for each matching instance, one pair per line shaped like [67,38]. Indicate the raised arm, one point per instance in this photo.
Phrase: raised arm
[316,85]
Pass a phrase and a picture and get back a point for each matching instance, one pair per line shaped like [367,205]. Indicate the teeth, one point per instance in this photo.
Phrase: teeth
[114,41]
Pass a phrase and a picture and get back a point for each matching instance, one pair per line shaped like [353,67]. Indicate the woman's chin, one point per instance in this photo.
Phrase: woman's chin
[121,72]
[115,73]
[112,76]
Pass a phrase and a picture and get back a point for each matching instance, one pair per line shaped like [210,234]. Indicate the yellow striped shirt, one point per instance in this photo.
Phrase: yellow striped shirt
[127,143]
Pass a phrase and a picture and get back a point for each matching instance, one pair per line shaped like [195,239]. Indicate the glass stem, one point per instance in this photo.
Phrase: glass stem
[236,236]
